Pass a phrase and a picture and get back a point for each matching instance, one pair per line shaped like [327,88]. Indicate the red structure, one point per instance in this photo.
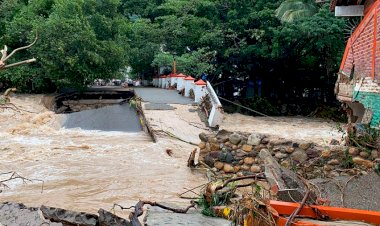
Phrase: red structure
[358,84]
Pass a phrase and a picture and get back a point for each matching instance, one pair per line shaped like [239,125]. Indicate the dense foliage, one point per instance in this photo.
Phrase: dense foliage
[286,51]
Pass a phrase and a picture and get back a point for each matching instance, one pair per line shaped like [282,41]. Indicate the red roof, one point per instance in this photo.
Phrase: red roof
[162,76]
[173,75]
[189,78]
[181,75]
[200,82]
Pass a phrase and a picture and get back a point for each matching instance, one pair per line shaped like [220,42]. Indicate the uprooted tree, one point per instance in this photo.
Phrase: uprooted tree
[4,99]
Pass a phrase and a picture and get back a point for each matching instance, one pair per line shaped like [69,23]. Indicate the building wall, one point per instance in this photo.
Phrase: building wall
[361,47]
[363,51]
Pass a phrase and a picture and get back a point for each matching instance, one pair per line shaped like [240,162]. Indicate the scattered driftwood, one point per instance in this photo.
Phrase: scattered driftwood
[138,210]
[193,158]
[295,213]
[15,176]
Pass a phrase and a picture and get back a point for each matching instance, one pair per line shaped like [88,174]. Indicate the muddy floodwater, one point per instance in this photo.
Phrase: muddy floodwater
[85,170]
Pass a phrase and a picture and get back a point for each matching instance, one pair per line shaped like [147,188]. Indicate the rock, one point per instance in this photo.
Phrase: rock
[234,147]
[265,140]
[374,154]
[334,174]
[305,146]
[255,169]
[240,174]
[252,154]
[280,155]
[68,217]
[226,157]
[247,148]
[209,160]
[353,151]
[364,154]
[228,144]
[290,150]
[241,153]
[245,167]
[227,168]
[285,163]
[254,139]
[279,141]
[237,168]
[333,162]
[334,142]
[362,162]
[313,153]
[328,168]
[202,145]
[219,165]
[326,154]
[249,160]
[214,147]
[212,140]
[109,219]
[234,138]
[208,147]
[299,156]
[203,137]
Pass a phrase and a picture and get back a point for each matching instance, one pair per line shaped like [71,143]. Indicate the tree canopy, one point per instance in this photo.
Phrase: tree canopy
[285,47]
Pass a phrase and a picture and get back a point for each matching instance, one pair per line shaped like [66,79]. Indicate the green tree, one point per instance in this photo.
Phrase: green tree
[291,10]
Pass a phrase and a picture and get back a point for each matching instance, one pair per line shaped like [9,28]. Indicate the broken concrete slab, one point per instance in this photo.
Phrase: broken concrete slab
[109,219]
[15,214]
[361,192]
[69,217]
[283,182]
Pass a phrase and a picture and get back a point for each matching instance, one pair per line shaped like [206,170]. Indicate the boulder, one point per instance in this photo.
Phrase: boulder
[326,154]
[202,145]
[290,150]
[212,139]
[364,154]
[362,162]
[374,154]
[249,160]
[254,139]
[235,138]
[299,156]
[247,148]
[109,219]
[214,147]
[227,168]
[245,167]
[255,169]
[333,162]
[304,146]
[226,157]
[219,165]
[280,155]
[313,153]
[203,137]
[353,151]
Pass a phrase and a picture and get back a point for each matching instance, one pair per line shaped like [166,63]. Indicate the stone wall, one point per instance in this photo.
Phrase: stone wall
[237,153]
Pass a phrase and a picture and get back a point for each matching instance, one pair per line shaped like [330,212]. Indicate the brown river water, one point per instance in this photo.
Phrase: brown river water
[85,170]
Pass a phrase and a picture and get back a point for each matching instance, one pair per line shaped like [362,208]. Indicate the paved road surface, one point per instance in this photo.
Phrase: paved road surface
[161,96]
[111,118]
